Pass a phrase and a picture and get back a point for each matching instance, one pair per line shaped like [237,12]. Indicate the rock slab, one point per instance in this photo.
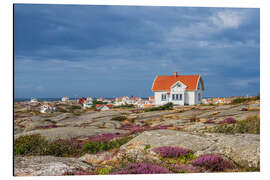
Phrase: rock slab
[47,165]
[243,149]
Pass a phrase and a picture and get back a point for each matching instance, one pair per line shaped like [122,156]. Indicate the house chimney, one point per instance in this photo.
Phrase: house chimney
[175,74]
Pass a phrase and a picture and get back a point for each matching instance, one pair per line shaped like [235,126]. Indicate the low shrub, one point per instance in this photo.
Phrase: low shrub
[29,145]
[75,107]
[37,145]
[209,121]
[104,137]
[124,106]
[137,128]
[184,168]
[104,171]
[169,151]
[229,120]
[119,118]
[212,162]
[143,168]
[98,146]
[63,148]
[243,100]
[250,125]
[148,146]
[193,118]
[168,106]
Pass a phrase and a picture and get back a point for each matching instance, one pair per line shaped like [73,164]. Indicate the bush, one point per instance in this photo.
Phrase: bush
[212,162]
[37,145]
[242,100]
[29,145]
[98,146]
[124,106]
[168,151]
[184,168]
[75,107]
[167,106]
[143,168]
[95,102]
[105,170]
[63,148]
[229,120]
[119,118]
[250,125]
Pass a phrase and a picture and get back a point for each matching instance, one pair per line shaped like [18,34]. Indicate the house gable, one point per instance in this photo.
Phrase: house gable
[200,84]
[178,86]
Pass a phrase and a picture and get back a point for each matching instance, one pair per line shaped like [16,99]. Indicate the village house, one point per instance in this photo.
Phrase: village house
[89,99]
[178,89]
[65,99]
[33,100]
[103,107]
[87,104]
[47,108]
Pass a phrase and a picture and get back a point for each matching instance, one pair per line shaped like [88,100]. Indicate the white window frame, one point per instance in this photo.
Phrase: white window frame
[177,97]
[162,97]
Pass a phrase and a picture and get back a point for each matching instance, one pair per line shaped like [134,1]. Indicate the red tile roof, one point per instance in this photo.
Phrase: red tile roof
[109,105]
[164,83]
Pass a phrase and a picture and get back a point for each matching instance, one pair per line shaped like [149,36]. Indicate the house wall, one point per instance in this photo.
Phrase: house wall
[190,97]
[197,101]
[158,98]
[177,90]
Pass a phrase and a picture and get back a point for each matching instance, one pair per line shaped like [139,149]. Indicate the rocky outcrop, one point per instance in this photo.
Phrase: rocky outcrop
[69,132]
[47,165]
[243,149]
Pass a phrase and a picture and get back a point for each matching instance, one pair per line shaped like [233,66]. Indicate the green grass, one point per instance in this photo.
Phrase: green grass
[95,147]
[180,160]
[250,125]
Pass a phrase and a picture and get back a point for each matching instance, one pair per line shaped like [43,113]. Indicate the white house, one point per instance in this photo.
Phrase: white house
[47,108]
[178,89]
[89,99]
[87,104]
[65,99]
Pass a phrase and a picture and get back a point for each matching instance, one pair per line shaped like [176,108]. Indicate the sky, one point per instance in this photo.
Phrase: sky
[110,51]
